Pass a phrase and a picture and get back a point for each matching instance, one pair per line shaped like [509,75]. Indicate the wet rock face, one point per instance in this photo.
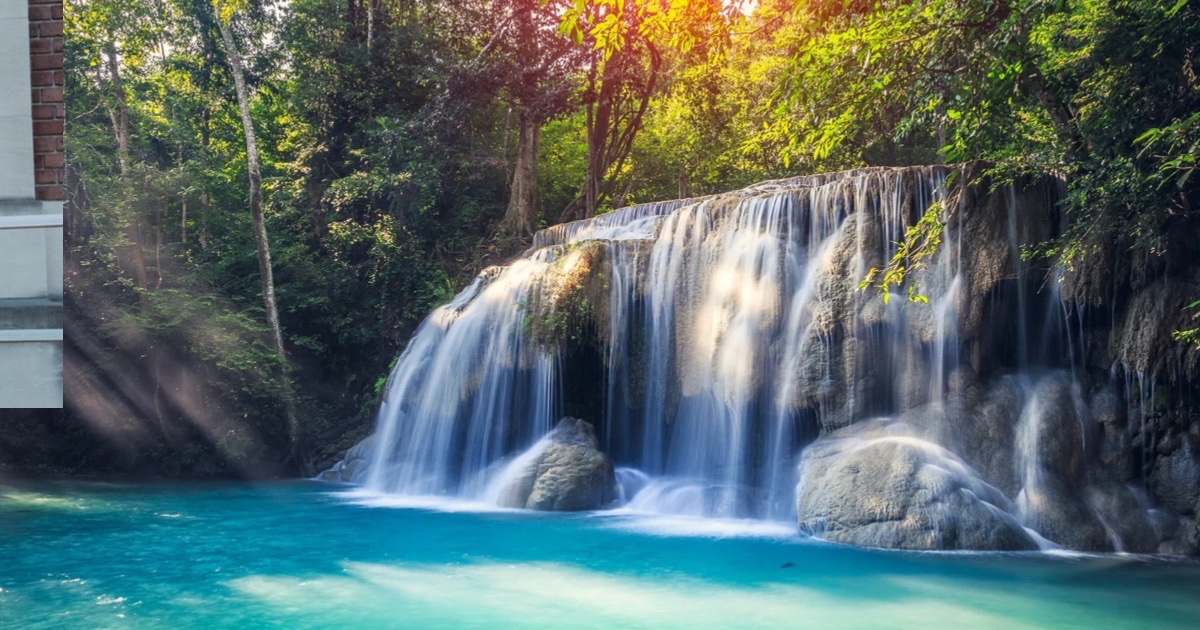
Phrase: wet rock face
[1131,526]
[882,487]
[1060,512]
[1058,429]
[1175,477]
[570,474]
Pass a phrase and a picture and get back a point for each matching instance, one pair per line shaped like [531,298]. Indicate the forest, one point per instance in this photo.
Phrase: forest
[266,197]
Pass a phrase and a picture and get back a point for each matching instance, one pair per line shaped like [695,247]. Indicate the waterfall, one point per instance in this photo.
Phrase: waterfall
[468,390]
[728,332]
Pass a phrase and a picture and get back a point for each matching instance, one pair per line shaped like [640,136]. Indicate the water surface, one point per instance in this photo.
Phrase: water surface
[308,555]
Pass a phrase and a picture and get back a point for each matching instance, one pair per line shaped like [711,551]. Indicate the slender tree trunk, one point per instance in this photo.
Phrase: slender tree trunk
[205,140]
[610,130]
[597,147]
[135,259]
[260,236]
[183,208]
[158,269]
[521,217]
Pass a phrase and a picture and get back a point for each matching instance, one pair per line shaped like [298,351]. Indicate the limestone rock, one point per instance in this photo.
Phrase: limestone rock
[353,467]
[879,486]
[1126,518]
[1052,422]
[1175,478]
[989,430]
[567,474]
[1060,513]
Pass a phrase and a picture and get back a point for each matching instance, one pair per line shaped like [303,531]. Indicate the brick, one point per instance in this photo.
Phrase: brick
[46,62]
[45,112]
[50,29]
[39,46]
[47,144]
[56,11]
[52,95]
[59,78]
[39,79]
[48,128]
[39,13]
[53,160]
[58,44]
[50,193]
[44,176]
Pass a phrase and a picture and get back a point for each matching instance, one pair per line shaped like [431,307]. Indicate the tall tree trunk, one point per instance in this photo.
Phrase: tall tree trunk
[205,201]
[135,258]
[266,276]
[612,126]
[521,217]
[597,147]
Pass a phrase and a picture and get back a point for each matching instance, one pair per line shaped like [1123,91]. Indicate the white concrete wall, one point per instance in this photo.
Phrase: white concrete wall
[31,374]
[31,260]
[16,108]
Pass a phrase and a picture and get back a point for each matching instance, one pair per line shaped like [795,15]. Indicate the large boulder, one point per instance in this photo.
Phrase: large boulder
[1062,514]
[986,431]
[565,472]
[1175,477]
[1051,441]
[1127,520]
[880,485]
[353,467]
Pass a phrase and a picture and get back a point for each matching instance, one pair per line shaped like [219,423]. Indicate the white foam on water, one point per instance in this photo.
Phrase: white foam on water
[705,527]
[436,503]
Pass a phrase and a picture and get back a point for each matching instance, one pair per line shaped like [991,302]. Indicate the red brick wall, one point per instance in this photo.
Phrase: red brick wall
[49,113]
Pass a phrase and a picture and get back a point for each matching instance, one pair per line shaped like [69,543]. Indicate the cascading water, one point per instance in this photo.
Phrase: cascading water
[713,306]
[467,391]
[709,340]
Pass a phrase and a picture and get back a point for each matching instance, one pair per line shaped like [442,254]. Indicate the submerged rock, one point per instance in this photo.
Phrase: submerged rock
[566,473]
[881,486]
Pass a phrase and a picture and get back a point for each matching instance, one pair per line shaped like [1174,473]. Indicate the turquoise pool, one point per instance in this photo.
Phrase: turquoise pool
[309,555]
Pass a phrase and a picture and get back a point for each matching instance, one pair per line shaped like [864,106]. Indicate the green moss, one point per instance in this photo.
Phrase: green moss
[571,303]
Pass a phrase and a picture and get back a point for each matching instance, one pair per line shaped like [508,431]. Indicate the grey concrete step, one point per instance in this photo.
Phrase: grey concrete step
[11,207]
[31,375]
[24,313]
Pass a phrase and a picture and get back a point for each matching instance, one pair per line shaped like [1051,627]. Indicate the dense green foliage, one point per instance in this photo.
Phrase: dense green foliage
[388,131]
[1102,93]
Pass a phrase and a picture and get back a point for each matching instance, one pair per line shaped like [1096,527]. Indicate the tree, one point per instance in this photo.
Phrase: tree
[628,42]
[107,31]
[1042,88]
[226,11]
[538,72]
